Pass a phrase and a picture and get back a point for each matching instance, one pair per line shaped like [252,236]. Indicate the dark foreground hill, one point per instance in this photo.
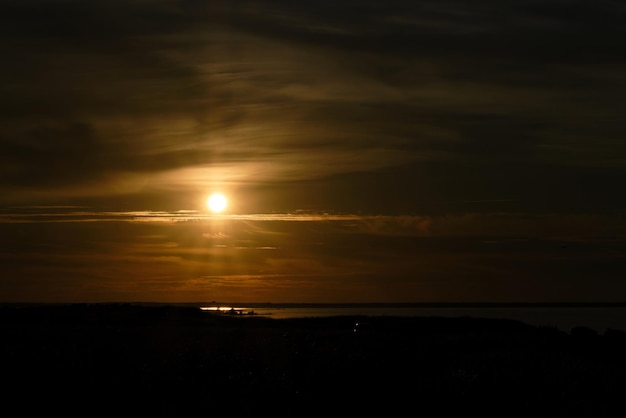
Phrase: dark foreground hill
[126,359]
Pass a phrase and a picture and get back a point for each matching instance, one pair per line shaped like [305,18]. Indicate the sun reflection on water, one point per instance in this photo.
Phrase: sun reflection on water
[228,310]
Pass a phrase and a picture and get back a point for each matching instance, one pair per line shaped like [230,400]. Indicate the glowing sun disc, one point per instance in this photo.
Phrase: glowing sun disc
[217,202]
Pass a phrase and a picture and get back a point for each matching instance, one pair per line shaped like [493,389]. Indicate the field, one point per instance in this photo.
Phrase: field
[126,359]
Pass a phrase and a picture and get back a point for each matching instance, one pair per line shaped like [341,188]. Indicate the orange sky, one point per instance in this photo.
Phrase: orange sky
[71,255]
[434,150]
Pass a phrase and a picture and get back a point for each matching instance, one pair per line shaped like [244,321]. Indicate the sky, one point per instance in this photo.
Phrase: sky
[370,151]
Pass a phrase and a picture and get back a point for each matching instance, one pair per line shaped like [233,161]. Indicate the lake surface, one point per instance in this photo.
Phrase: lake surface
[565,318]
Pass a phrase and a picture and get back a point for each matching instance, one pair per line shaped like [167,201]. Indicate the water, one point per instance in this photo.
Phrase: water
[564,318]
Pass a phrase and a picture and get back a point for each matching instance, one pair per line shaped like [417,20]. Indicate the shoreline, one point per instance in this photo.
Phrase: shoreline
[180,360]
[276,305]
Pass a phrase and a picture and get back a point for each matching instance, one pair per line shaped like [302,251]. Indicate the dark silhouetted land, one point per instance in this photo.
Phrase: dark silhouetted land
[124,359]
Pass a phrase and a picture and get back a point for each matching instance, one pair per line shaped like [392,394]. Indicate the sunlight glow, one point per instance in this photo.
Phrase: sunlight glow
[217,202]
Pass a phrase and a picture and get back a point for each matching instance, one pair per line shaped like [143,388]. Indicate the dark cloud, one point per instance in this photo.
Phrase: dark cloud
[423,103]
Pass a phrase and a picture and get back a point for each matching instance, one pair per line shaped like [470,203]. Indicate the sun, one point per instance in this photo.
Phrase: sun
[217,202]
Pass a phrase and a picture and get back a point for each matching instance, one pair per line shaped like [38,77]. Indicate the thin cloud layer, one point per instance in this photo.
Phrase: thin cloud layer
[63,255]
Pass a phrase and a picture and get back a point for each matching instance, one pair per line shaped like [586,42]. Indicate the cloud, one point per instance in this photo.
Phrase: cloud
[123,98]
